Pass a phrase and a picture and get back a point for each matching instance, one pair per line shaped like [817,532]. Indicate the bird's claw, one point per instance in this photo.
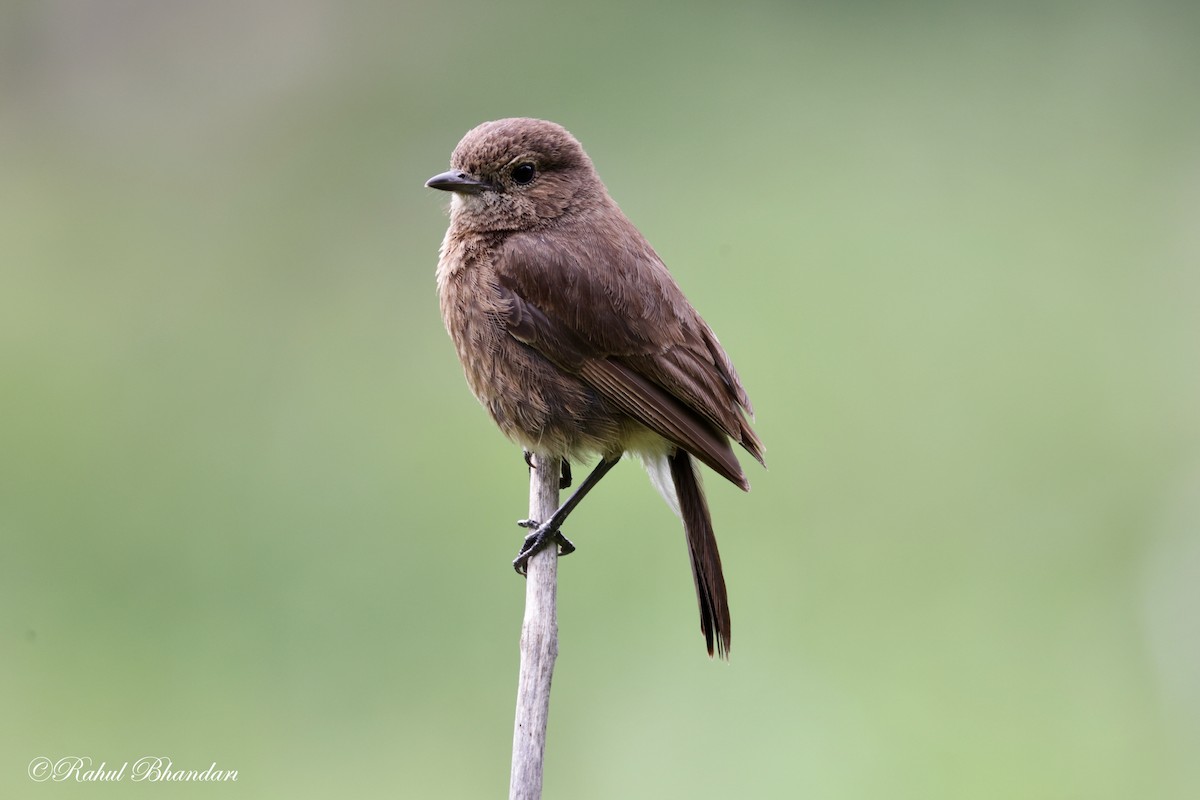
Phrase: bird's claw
[541,537]
[564,480]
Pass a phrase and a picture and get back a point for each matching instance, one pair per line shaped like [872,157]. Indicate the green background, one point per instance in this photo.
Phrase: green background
[250,513]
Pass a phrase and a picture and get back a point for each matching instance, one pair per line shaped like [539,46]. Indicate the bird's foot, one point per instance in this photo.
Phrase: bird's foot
[541,536]
[564,481]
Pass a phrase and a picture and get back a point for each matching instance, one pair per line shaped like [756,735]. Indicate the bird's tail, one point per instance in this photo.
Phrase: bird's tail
[702,548]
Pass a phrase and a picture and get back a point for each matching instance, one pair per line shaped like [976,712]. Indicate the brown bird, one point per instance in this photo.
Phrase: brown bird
[577,340]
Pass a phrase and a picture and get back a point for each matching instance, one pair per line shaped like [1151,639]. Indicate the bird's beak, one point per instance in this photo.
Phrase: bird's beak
[457,181]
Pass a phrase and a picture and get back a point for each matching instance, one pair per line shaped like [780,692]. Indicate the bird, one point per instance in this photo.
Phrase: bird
[579,343]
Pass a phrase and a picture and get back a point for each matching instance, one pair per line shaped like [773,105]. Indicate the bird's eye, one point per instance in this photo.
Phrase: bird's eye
[523,173]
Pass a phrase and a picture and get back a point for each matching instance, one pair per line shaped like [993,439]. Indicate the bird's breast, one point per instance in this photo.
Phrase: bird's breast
[534,402]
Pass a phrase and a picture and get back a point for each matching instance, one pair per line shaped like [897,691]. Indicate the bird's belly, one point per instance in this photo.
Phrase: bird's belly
[535,403]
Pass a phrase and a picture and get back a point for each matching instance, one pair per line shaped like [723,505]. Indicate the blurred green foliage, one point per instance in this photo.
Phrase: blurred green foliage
[250,513]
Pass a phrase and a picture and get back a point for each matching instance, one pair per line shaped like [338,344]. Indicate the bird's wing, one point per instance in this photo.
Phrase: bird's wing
[601,305]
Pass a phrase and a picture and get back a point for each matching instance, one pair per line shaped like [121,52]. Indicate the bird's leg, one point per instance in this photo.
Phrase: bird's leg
[565,546]
[547,531]
[564,482]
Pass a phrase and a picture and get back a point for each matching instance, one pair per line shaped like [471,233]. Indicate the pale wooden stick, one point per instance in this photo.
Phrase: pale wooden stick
[539,642]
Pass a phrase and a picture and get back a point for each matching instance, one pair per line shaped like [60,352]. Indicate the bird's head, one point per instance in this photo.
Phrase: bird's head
[517,174]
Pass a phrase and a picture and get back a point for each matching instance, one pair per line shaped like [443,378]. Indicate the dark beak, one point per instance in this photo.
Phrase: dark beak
[457,181]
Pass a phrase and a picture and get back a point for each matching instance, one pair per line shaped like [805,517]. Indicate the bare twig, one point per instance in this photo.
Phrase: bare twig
[539,642]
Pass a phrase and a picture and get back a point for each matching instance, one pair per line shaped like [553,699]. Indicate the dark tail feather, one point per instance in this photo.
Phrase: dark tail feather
[702,547]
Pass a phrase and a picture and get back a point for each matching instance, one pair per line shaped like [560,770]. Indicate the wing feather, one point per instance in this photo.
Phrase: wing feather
[599,303]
